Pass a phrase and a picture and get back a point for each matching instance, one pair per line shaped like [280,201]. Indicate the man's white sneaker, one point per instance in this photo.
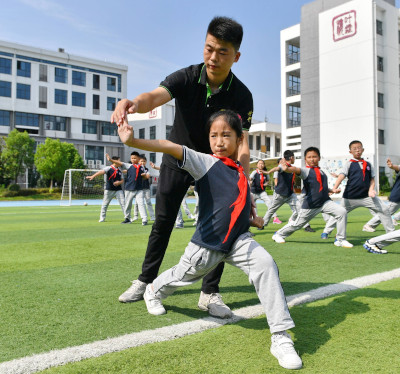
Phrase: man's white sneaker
[134,292]
[134,219]
[214,305]
[374,248]
[282,348]
[343,243]
[278,239]
[153,302]
[368,228]
[102,220]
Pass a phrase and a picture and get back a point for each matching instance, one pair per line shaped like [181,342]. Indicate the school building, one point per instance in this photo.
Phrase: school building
[53,94]
[340,81]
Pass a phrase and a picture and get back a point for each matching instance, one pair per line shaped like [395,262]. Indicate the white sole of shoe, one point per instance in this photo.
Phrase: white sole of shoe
[281,363]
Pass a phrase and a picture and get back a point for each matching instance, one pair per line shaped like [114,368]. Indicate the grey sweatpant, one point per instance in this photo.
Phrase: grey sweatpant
[336,212]
[278,201]
[386,239]
[129,196]
[264,197]
[375,220]
[373,203]
[247,255]
[147,202]
[108,196]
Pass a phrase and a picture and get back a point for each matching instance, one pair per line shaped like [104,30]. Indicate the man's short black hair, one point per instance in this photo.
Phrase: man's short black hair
[115,157]
[355,142]
[134,153]
[226,29]
[287,155]
[312,149]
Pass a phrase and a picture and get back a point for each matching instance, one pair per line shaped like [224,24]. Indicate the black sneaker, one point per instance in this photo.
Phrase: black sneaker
[309,229]
[126,220]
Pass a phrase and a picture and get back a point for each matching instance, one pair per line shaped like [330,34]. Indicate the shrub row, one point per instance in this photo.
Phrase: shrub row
[29,192]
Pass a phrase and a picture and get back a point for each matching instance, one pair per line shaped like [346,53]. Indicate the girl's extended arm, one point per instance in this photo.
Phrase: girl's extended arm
[125,132]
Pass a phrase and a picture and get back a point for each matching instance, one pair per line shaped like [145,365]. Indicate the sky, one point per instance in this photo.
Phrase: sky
[157,37]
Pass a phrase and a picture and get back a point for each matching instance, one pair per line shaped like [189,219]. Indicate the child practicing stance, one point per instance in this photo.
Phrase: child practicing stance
[222,229]
[360,189]
[113,187]
[316,199]
[259,178]
[375,245]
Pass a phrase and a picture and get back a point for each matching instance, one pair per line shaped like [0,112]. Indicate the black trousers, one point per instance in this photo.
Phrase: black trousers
[171,189]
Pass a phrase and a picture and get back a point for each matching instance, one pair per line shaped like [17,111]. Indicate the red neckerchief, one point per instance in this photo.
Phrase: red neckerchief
[364,165]
[113,175]
[318,174]
[137,166]
[261,179]
[242,185]
[293,177]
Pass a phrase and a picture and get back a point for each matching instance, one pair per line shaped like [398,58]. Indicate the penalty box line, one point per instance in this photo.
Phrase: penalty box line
[42,361]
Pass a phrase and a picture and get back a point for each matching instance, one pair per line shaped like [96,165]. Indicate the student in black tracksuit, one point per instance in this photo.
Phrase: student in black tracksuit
[199,91]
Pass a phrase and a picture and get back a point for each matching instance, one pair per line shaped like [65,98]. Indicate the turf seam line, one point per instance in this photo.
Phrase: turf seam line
[42,361]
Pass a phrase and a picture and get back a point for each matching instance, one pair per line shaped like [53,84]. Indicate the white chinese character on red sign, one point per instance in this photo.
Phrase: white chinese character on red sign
[344,25]
[153,113]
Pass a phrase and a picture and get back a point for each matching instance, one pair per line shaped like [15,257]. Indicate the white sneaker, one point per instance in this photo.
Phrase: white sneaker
[134,292]
[395,223]
[134,219]
[214,305]
[153,302]
[102,220]
[368,228]
[374,248]
[343,243]
[278,239]
[282,348]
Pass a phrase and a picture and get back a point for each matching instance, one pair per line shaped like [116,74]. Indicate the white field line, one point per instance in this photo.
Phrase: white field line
[42,361]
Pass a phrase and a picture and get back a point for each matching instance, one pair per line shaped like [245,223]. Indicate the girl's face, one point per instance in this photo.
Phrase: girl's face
[223,139]
[260,165]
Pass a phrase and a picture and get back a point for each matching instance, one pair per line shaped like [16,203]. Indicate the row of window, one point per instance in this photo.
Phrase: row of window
[90,127]
[60,74]
[152,132]
[267,143]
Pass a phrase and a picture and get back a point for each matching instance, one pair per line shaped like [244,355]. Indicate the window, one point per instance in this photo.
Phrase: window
[42,97]
[152,132]
[89,126]
[26,119]
[379,27]
[258,142]
[111,84]
[4,118]
[23,91]
[380,63]
[294,116]
[61,96]
[167,131]
[94,153]
[111,103]
[251,141]
[23,69]
[96,81]
[5,65]
[277,146]
[293,85]
[5,88]
[152,157]
[293,55]
[55,123]
[78,99]
[43,73]
[96,101]
[268,143]
[61,75]
[381,103]
[381,136]
[78,78]
[108,128]
[141,133]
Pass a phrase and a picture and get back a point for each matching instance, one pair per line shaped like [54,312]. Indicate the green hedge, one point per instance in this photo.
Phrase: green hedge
[29,192]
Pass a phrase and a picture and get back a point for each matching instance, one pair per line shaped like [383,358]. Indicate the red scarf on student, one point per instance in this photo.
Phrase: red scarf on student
[318,174]
[241,200]
[293,177]
[113,175]
[261,179]
[364,165]
[137,166]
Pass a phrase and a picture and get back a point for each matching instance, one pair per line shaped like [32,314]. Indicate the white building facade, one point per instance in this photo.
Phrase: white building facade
[58,95]
[264,140]
[340,81]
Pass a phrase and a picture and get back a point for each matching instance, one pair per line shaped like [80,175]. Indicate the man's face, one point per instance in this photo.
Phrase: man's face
[134,159]
[219,57]
[356,150]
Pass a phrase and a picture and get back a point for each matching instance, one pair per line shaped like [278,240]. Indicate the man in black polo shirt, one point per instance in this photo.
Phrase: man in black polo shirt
[199,91]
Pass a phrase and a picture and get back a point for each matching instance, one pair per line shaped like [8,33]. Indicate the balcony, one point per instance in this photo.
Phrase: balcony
[293,122]
[292,58]
[293,90]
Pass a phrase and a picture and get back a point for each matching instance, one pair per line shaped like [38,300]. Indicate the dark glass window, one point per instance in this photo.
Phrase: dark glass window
[23,69]
[61,96]
[108,128]
[152,132]
[381,103]
[89,126]
[43,73]
[4,118]
[251,141]
[61,75]
[141,133]
[94,153]
[379,27]
[5,88]
[152,157]
[111,103]
[111,84]
[5,65]
[96,101]
[96,81]
[55,123]
[78,78]
[23,91]
[294,116]
[380,63]
[26,119]
[258,142]
[78,99]
[381,136]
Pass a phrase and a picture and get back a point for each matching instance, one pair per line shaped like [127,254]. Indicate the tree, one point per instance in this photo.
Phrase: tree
[17,154]
[54,157]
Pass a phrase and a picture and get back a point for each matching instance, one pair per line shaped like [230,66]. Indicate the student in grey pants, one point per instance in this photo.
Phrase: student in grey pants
[375,245]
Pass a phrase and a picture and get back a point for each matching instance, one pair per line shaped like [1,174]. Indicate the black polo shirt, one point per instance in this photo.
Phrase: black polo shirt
[193,106]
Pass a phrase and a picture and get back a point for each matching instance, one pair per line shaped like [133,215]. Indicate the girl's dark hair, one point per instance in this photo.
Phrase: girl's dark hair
[312,149]
[226,29]
[231,118]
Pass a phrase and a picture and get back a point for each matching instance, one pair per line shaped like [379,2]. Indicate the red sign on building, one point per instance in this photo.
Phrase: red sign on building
[344,25]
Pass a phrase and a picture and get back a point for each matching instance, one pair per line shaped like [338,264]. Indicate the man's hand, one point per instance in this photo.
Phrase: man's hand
[90,177]
[336,190]
[123,107]
[108,157]
[257,222]
[389,163]
[372,193]
[125,132]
